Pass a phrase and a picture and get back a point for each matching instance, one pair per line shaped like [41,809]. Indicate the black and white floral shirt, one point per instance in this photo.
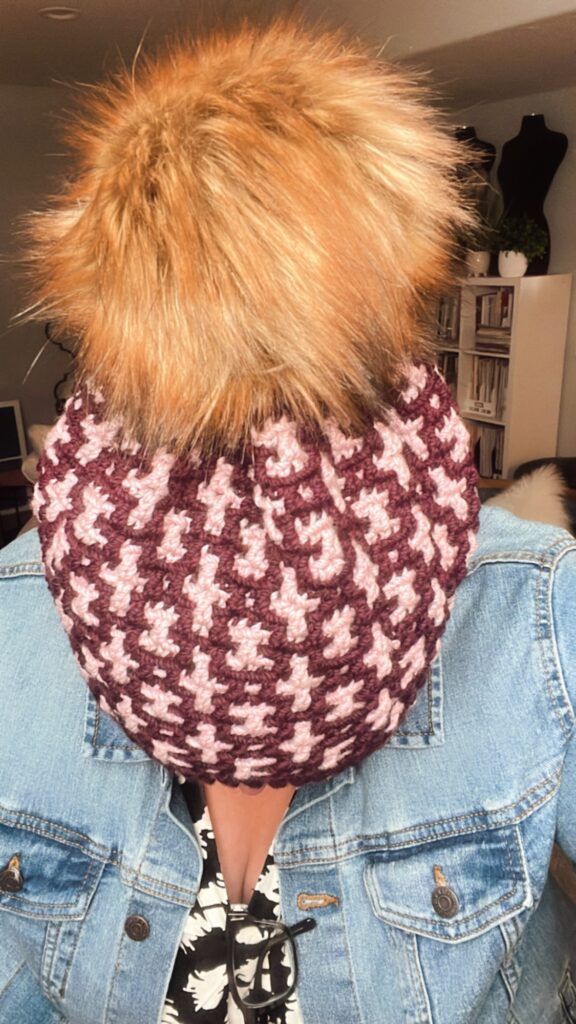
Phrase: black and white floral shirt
[198,991]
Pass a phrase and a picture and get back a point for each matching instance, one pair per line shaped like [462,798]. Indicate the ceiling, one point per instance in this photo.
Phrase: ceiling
[37,51]
[531,58]
[495,51]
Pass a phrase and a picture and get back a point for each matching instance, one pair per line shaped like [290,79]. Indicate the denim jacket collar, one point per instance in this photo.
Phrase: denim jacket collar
[106,742]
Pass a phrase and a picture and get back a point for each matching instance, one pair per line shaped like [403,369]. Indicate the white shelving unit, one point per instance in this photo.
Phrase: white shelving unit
[501,344]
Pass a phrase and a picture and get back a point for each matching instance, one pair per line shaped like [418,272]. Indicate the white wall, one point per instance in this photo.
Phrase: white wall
[29,166]
[498,122]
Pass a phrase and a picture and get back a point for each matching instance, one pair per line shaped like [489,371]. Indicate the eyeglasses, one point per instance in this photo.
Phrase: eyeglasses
[261,960]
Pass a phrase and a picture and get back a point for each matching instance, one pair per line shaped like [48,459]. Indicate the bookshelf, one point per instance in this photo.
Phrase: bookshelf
[500,346]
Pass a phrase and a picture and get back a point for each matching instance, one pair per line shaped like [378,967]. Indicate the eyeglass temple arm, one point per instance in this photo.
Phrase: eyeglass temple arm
[250,1016]
[306,925]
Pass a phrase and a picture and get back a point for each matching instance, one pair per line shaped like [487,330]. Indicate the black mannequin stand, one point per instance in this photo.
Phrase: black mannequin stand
[528,165]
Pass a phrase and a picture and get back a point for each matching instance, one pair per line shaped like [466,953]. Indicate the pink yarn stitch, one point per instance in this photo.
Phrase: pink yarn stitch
[269,616]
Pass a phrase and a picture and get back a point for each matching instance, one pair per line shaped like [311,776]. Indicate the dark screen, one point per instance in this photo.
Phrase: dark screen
[9,440]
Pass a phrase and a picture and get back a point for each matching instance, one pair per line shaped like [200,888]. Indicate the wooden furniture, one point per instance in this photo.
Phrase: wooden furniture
[501,344]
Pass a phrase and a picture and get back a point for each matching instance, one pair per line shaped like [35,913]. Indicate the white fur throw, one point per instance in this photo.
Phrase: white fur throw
[537,496]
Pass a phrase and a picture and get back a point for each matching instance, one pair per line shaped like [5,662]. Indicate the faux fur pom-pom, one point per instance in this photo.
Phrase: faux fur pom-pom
[256,224]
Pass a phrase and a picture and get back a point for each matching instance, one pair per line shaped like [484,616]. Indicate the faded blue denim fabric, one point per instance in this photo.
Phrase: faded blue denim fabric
[467,798]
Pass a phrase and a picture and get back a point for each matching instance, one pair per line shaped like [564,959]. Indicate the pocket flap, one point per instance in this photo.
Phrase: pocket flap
[451,889]
[52,879]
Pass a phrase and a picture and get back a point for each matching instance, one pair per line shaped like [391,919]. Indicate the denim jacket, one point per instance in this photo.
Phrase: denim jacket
[426,867]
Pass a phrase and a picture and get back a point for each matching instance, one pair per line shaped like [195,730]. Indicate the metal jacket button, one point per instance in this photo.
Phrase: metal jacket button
[137,928]
[10,877]
[445,901]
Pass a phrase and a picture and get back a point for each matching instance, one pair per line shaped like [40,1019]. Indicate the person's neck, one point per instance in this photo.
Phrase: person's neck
[245,823]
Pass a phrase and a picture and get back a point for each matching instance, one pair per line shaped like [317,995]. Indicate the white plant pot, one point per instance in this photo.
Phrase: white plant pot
[478,262]
[512,264]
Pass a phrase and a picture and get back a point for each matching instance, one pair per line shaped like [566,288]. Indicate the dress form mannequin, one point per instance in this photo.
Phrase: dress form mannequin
[476,172]
[483,153]
[528,165]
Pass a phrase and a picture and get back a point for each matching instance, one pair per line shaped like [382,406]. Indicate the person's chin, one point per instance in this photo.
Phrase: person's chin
[250,790]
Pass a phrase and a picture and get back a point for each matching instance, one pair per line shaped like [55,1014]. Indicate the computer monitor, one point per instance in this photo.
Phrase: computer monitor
[12,437]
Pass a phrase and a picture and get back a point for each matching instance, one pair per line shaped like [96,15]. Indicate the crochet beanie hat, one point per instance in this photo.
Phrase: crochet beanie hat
[256,507]
[267,617]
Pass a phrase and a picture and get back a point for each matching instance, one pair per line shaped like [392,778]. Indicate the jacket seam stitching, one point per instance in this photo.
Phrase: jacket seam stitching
[21,569]
[93,729]
[506,897]
[111,993]
[546,558]
[568,708]
[85,847]
[428,1018]
[130,876]
[140,878]
[48,954]
[88,881]
[546,640]
[351,970]
[157,888]
[284,862]
[63,984]
[400,920]
[418,929]
[554,776]
[12,978]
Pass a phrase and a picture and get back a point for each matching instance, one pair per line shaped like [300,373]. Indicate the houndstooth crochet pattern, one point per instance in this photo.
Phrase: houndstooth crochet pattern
[265,618]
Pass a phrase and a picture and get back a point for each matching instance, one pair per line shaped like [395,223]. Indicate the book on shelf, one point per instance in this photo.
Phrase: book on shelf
[489,344]
[487,445]
[447,363]
[448,319]
[494,339]
[486,389]
[493,332]
[494,310]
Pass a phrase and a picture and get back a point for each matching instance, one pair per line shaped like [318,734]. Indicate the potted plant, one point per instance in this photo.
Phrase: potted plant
[481,240]
[480,246]
[520,240]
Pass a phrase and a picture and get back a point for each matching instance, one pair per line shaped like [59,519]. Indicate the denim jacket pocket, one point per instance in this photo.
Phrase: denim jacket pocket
[43,877]
[451,889]
[47,882]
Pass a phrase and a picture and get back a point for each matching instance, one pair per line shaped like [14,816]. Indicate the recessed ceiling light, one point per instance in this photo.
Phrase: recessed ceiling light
[60,13]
